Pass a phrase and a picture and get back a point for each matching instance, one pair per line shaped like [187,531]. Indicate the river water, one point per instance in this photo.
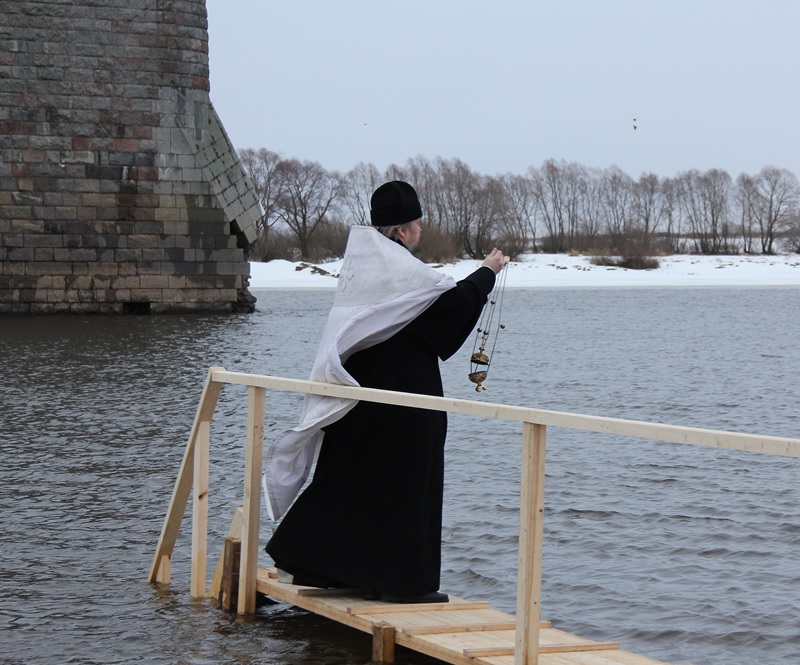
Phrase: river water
[681,553]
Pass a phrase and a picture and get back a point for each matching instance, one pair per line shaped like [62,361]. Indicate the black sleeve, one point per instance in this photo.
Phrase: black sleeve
[448,322]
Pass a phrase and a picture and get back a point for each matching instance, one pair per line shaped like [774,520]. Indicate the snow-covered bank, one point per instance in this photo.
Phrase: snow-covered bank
[563,271]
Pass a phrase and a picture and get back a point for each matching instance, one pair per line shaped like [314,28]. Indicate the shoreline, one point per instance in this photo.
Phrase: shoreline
[563,271]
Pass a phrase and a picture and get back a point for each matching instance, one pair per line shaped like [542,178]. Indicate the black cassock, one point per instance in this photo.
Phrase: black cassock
[371,517]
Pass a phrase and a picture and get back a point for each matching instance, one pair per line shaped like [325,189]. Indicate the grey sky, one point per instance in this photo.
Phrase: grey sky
[504,85]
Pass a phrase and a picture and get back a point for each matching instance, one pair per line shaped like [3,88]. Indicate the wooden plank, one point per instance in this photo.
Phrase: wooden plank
[383,644]
[197,586]
[389,608]
[772,445]
[457,628]
[488,652]
[578,647]
[315,591]
[160,568]
[229,586]
[234,531]
[256,407]
[464,628]
[531,534]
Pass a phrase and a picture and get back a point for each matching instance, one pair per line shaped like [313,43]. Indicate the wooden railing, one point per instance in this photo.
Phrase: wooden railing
[194,472]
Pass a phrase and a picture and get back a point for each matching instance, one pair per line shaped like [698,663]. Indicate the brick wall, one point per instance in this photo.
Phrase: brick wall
[119,189]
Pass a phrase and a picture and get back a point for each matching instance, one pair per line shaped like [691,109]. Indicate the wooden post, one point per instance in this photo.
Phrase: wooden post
[531,530]
[229,585]
[234,531]
[197,587]
[161,567]
[383,637]
[256,406]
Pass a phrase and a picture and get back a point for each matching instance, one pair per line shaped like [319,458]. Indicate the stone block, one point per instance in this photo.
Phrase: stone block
[86,307]
[127,255]
[145,295]
[176,282]
[154,281]
[98,200]
[140,214]
[48,268]
[81,282]
[139,241]
[208,295]
[153,255]
[127,269]
[26,226]
[227,282]
[17,267]
[131,282]
[108,268]
[42,240]
[150,268]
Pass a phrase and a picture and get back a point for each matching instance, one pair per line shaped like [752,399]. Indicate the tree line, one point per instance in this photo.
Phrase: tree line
[558,207]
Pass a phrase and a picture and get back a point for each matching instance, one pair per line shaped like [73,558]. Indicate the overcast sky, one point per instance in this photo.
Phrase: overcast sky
[507,84]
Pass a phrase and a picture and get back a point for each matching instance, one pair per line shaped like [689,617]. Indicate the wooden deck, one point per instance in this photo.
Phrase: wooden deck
[459,632]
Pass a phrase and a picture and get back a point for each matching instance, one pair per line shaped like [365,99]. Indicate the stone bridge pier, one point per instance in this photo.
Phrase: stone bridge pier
[120,191]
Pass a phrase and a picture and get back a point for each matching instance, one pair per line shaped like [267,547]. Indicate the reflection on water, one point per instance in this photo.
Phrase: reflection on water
[682,553]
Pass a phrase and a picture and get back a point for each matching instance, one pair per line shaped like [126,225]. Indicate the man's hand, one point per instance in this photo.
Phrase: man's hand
[495,260]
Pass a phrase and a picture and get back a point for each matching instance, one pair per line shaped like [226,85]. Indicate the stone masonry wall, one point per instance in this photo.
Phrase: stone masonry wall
[119,189]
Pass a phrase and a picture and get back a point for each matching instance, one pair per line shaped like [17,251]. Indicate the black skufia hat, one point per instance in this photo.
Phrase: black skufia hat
[394,203]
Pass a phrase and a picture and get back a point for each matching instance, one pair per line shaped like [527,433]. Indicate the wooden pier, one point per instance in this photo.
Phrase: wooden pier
[460,632]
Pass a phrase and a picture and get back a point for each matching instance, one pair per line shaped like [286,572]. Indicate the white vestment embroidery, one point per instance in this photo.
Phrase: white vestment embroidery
[381,288]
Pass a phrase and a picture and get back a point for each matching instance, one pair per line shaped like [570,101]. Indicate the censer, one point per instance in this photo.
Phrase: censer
[488,326]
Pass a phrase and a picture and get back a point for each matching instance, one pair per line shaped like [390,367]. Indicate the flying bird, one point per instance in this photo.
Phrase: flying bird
[634,124]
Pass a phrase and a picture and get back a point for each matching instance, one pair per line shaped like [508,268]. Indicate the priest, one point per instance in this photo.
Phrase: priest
[371,516]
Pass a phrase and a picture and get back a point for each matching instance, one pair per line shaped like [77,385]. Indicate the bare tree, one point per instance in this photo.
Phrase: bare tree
[518,220]
[260,166]
[705,200]
[307,194]
[358,185]
[745,204]
[590,209]
[457,199]
[777,195]
[557,191]
[649,205]
[673,218]
[618,207]
[426,181]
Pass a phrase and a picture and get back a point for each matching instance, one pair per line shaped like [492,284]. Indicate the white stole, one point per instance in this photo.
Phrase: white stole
[381,288]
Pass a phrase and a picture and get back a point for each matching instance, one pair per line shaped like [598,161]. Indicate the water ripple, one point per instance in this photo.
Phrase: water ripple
[682,553]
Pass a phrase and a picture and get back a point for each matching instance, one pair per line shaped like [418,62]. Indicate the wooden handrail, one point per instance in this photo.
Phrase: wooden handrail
[752,443]
[194,473]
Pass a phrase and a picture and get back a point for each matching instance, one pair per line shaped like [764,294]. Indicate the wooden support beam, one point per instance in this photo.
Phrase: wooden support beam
[160,569]
[576,647]
[383,637]
[444,629]
[229,585]
[256,407]
[197,586]
[531,533]
[488,652]
[234,531]
[419,607]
